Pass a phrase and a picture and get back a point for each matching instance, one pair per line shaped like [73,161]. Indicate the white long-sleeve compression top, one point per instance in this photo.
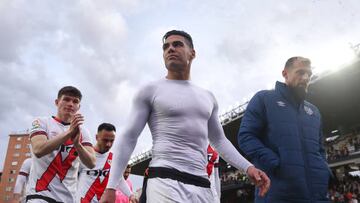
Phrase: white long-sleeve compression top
[182,119]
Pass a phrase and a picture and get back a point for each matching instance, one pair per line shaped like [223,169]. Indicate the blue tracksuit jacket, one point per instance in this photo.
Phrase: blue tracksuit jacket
[283,137]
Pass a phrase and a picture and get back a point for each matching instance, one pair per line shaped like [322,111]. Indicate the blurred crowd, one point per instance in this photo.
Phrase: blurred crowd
[339,149]
[234,177]
[346,190]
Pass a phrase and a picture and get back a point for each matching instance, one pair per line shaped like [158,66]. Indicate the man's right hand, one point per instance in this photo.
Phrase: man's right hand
[75,123]
[109,196]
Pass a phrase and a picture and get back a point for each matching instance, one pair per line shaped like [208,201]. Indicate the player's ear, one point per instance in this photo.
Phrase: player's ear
[193,54]
[284,73]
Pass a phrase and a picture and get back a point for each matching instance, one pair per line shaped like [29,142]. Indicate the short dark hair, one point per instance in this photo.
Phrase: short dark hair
[107,127]
[290,62]
[69,91]
[181,33]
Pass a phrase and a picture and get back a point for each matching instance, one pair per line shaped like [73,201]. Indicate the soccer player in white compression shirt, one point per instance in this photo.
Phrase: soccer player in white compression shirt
[182,118]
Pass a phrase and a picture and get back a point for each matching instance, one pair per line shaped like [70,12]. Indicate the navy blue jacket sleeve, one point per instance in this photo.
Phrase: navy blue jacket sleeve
[251,135]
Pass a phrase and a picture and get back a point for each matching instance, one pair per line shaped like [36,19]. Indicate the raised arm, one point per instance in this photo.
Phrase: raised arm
[125,144]
[40,143]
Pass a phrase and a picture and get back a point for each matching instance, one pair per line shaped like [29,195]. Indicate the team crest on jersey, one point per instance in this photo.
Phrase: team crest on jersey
[109,161]
[281,103]
[308,110]
[35,124]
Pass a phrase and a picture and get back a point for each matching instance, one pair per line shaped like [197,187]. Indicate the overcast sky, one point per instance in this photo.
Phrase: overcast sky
[109,48]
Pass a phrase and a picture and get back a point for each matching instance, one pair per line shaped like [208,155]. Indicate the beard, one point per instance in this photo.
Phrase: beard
[299,92]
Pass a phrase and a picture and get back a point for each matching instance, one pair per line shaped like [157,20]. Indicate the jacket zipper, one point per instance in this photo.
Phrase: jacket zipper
[302,138]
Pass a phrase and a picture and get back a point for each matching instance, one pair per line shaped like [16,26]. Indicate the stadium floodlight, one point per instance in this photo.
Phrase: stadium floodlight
[332,138]
[334,131]
[355,173]
[354,167]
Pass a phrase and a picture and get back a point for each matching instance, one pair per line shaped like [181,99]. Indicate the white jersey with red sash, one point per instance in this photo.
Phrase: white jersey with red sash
[92,182]
[22,179]
[212,169]
[55,174]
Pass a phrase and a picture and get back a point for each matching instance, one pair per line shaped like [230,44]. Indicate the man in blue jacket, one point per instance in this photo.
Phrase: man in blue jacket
[281,134]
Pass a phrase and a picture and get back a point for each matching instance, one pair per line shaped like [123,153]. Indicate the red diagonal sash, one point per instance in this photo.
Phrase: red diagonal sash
[97,188]
[57,166]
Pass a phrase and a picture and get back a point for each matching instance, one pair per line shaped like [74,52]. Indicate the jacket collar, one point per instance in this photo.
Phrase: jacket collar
[285,91]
